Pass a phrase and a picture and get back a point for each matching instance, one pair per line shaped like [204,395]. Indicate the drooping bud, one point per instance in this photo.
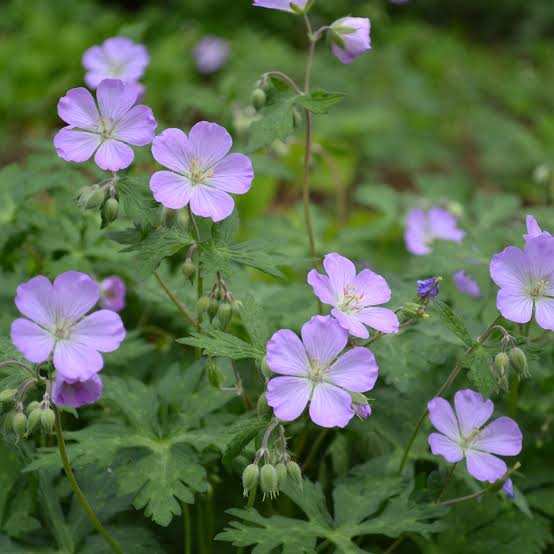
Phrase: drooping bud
[215,376]
[262,406]
[203,304]
[295,472]
[213,307]
[32,406]
[188,268]
[19,424]
[250,477]
[47,420]
[281,470]
[427,289]
[110,210]
[258,98]
[168,216]
[224,314]
[7,395]
[269,481]
[92,198]
[501,363]
[518,360]
[411,308]
[264,368]
[34,418]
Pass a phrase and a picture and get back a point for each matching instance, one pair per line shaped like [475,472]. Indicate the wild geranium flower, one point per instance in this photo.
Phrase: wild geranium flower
[210,54]
[428,288]
[202,171]
[284,5]
[466,284]
[76,393]
[56,323]
[526,281]
[116,58]
[533,229]
[350,38]
[112,293]
[314,371]
[354,297]
[461,435]
[423,227]
[106,130]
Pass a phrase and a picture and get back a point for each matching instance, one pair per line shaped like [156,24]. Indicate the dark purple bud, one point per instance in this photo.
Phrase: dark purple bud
[428,288]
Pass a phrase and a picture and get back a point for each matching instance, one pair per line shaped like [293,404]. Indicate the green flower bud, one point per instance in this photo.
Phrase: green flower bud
[501,363]
[47,420]
[110,210]
[224,314]
[269,481]
[412,308]
[213,307]
[281,470]
[263,407]
[519,361]
[359,398]
[32,406]
[250,477]
[34,418]
[258,98]
[188,268]
[203,304]
[19,424]
[215,376]
[237,306]
[7,394]
[168,216]
[264,368]
[295,472]
[92,198]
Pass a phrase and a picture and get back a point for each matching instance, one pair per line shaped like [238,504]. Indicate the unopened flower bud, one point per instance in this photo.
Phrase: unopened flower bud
[269,481]
[281,470]
[188,268]
[213,307]
[34,418]
[92,198]
[264,368]
[7,394]
[258,98]
[519,361]
[250,477]
[19,424]
[237,306]
[32,406]
[411,308]
[110,210]
[203,304]
[501,363]
[358,398]
[47,420]
[224,314]
[215,376]
[262,406]
[295,472]
[168,216]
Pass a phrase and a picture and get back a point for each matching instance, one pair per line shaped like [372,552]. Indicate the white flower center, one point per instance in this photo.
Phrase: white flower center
[537,288]
[317,370]
[63,330]
[198,174]
[350,300]
[468,441]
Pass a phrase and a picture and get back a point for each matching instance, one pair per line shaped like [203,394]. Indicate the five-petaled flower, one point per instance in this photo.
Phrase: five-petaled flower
[461,435]
[112,293]
[526,281]
[106,130]
[313,370]
[202,170]
[466,284]
[350,38]
[56,322]
[210,54]
[423,227]
[533,229]
[116,58]
[75,392]
[284,5]
[354,297]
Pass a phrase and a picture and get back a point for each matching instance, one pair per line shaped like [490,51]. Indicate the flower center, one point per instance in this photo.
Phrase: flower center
[117,69]
[197,173]
[63,330]
[317,371]
[536,289]
[466,442]
[350,300]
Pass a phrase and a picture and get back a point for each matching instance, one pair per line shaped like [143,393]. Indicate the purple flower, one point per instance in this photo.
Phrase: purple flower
[112,293]
[55,322]
[428,288]
[315,372]
[526,281]
[76,393]
[210,54]
[464,283]
[460,435]
[508,488]
[106,130]
[533,229]
[423,227]
[363,411]
[202,171]
[284,5]
[116,58]
[350,38]
[354,297]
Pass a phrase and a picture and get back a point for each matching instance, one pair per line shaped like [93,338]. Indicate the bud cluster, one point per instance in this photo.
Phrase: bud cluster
[514,360]
[103,197]
[220,303]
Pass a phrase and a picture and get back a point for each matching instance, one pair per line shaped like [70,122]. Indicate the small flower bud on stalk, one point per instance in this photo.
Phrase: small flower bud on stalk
[295,472]
[519,361]
[19,424]
[501,362]
[32,406]
[7,395]
[110,210]
[203,304]
[281,470]
[188,268]
[250,477]
[47,419]
[258,98]
[34,418]
[269,481]
[264,368]
[92,198]
[215,376]
[168,216]
[263,407]
[224,314]
[213,307]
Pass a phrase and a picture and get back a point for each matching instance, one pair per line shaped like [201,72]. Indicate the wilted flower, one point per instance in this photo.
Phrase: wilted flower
[428,288]
[75,392]
[350,38]
[533,229]
[314,371]
[116,58]
[464,283]
[284,5]
[423,227]
[526,281]
[104,131]
[55,322]
[460,435]
[112,293]
[210,54]
[202,171]
[363,411]
[354,297]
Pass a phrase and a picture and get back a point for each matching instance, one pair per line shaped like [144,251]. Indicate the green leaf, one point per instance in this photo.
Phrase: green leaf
[454,323]
[319,101]
[136,201]
[479,373]
[218,343]
[244,432]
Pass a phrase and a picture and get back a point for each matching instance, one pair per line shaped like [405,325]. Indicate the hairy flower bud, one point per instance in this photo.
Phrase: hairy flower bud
[519,361]
[295,472]
[258,98]
[215,376]
[168,216]
[92,198]
[250,477]
[213,307]
[203,304]
[34,418]
[269,481]
[264,368]
[32,406]
[281,470]
[262,406]
[501,363]
[19,424]
[7,394]
[47,420]
[110,210]
[188,268]
[224,314]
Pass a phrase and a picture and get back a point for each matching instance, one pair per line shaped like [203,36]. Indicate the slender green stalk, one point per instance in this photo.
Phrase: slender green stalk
[395,544]
[315,448]
[199,282]
[77,490]
[187,529]
[175,300]
[446,481]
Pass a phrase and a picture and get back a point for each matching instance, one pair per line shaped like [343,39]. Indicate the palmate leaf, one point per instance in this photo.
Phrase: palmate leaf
[366,503]
[218,343]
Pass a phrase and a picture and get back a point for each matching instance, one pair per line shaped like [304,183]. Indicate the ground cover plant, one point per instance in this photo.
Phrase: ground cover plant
[301,300]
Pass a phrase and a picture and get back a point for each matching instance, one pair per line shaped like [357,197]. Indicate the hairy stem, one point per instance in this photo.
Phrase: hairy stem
[175,300]
[77,490]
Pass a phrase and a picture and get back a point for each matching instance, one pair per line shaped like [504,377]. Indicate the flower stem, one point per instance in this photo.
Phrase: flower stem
[395,544]
[446,481]
[315,448]
[77,490]
[445,386]
[186,528]
[175,300]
